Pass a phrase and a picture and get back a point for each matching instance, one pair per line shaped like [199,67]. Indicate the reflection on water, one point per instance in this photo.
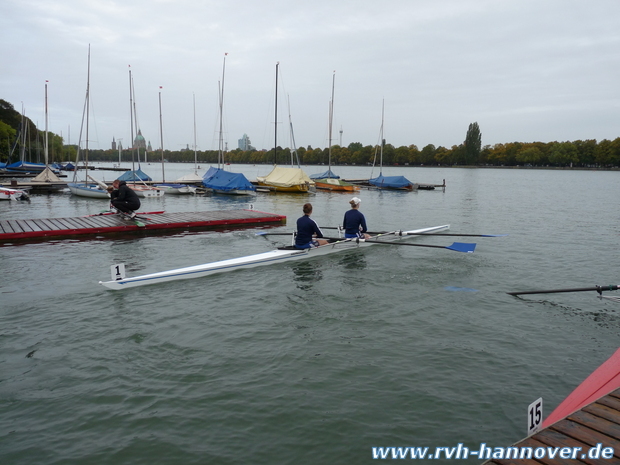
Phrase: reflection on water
[307,273]
[353,261]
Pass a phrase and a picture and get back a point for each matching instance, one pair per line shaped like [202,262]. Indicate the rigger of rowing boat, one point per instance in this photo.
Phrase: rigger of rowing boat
[265,258]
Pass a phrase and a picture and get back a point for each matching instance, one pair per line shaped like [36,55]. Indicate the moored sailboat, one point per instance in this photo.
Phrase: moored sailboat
[135,178]
[13,194]
[328,180]
[280,179]
[86,188]
[216,180]
[389,182]
[169,188]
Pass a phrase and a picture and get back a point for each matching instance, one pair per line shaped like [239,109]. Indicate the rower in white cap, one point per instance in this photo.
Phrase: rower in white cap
[354,223]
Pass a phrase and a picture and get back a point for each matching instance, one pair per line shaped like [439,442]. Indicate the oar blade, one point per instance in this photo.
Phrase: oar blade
[462,247]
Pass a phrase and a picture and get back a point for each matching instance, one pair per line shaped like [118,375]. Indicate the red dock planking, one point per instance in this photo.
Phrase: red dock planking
[11,230]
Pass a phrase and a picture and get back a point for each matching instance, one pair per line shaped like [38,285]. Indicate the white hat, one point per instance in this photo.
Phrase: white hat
[355,201]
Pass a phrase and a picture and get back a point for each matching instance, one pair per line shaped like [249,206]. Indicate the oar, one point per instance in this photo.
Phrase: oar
[399,233]
[456,246]
[272,234]
[598,289]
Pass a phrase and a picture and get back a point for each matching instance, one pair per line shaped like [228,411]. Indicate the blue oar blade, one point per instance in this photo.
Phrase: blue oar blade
[462,247]
[493,235]
[459,289]
[261,234]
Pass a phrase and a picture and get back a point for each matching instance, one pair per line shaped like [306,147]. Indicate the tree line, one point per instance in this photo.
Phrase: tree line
[580,153]
[588,153]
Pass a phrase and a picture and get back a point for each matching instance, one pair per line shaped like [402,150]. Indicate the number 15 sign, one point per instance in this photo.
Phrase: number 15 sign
[534,416]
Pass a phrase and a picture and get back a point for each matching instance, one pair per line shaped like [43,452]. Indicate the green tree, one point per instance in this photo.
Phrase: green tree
[427,155]
[7,138]
[586,149]
[563,153]
[472,144]
[529,155]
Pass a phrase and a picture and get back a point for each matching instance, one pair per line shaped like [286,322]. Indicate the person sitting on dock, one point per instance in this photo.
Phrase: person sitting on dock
[308,231]
[354,223]
[124,198]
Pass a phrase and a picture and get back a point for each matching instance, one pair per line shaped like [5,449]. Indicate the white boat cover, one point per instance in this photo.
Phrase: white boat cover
[285,177]
[191,177]
[47,175]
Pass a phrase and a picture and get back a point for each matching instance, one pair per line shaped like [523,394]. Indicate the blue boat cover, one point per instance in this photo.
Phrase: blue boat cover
[137,175]
[24,165]
[219,179]
[210,172]
[328,174]
[391,182]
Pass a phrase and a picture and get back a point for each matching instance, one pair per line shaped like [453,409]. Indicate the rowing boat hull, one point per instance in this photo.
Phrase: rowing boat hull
[252,261]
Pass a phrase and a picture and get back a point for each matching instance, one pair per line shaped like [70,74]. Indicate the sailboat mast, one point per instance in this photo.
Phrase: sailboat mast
[294,154]
[87,114]
[195,154]
[382,139]
[46,149]
[331,121]
[161,136]
[220,157]
[133,145]
[275,148]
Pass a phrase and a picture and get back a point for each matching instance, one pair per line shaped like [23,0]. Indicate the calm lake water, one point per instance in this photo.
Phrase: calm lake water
[312,362]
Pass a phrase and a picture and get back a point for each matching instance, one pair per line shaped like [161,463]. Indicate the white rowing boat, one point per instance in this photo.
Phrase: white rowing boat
[265,258]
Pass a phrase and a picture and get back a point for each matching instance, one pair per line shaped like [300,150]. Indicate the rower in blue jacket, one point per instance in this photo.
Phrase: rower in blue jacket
[308,231]
[354,223]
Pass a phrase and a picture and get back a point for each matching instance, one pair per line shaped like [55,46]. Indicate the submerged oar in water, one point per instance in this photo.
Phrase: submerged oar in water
[456,246]
[598,289]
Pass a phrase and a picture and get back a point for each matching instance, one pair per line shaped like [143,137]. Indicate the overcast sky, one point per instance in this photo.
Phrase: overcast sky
[525,70]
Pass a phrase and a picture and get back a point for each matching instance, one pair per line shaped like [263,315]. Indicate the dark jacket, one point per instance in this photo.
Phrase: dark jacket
[354,222]
[126,195]
[306,228]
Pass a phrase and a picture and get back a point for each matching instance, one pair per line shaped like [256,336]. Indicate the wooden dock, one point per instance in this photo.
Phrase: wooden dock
[43,228]
[596,423]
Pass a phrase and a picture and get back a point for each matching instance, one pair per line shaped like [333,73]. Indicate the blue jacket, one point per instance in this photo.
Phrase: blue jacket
[306,228]
[354,222]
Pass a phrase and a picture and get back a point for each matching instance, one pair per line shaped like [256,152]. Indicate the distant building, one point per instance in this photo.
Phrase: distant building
[139,141]
[244,143]
[113,143]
